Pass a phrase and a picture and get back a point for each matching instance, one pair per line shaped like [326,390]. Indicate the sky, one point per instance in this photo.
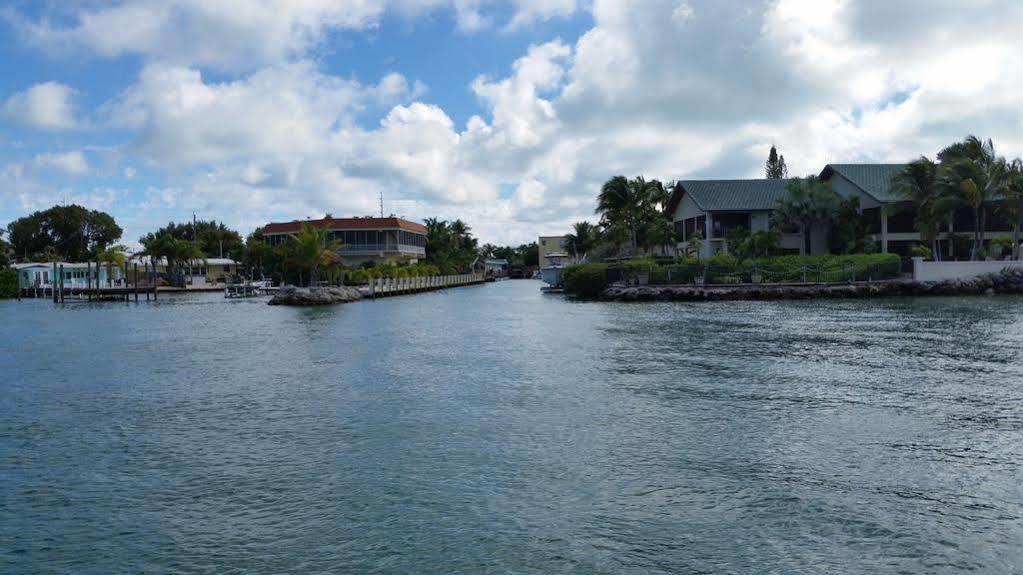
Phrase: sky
[508,114]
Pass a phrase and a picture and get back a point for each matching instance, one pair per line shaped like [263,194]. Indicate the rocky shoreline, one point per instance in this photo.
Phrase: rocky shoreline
[1006,282]
[291,295]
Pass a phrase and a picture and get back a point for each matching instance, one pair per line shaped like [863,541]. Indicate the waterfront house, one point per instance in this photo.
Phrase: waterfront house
[716,207]
[361,239]
[207,273]
[890,221]
[39,275]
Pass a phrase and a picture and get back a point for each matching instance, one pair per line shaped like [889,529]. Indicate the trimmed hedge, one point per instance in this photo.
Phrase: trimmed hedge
[588,280]
[8,283]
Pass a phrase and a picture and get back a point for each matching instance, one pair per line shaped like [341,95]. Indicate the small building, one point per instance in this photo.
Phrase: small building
[207,273]
[546,245]
[39,275]
[361,239]
[496,267]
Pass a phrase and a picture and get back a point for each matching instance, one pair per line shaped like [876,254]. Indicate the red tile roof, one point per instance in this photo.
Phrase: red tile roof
[345,224]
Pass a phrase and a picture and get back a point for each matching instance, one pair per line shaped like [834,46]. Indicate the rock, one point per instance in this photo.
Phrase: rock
[291,295]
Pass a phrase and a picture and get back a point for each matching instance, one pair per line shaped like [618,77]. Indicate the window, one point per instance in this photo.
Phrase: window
[723,224]
[900,219]
[872,218]
[544,242]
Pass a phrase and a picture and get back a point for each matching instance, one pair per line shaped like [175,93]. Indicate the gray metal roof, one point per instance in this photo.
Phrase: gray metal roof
[874,179]
[734,195]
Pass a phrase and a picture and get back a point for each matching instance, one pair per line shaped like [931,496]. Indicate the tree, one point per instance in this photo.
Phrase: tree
[623,203]
[972,175]
[1012,203]
[312,250]
[582,239]
[775,168]
[213,238]
[450,246]
[177,253]
[72,232]
[5,252]
[808,203]
[918,184]
[113,256]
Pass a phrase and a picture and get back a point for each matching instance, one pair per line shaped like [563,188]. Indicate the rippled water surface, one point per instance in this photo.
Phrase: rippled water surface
[491,429]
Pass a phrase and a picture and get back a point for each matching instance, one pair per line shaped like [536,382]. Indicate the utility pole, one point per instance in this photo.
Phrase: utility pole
[381,203]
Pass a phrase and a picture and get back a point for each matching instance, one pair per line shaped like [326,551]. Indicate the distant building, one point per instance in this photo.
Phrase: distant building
[551,244]
[496,267]
[361,239]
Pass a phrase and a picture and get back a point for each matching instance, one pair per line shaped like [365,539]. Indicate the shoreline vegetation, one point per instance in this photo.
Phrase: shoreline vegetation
[590,280]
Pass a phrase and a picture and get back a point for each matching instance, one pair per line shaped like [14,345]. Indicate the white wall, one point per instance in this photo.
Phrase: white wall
[940,271]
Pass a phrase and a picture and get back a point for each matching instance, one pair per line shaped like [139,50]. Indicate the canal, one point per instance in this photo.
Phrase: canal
[492,429]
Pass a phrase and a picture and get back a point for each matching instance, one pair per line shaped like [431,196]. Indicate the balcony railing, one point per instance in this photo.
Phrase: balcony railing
[377,248]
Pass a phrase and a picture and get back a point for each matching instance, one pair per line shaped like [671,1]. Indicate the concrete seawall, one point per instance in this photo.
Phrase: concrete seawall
[1006,282]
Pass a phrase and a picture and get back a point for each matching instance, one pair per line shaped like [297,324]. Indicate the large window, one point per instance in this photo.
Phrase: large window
[900,219]
[872,218]
[724,223]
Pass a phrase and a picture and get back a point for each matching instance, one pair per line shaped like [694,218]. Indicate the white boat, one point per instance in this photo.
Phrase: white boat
[551,274]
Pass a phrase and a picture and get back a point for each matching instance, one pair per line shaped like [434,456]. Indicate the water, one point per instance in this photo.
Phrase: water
[492,429]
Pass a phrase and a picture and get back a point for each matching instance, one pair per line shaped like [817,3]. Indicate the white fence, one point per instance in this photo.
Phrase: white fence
[385,286]
[940,271]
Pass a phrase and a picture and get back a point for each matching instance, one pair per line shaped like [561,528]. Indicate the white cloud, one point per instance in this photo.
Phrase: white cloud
[662,88]
[246,34]
[69,163]
[46,106]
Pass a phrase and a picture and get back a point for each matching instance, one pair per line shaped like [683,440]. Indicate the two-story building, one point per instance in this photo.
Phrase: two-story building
[715,207]
[361,239]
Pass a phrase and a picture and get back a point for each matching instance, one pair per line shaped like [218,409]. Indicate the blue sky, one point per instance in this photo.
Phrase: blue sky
[505,113]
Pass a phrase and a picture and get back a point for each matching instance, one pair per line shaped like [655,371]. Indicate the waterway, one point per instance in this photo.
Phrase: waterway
[492,429]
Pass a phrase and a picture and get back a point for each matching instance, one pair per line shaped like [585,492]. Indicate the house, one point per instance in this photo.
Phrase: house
[547,245]
[361,239]
[891,221]
[209,273]
[40,275]
[716,207]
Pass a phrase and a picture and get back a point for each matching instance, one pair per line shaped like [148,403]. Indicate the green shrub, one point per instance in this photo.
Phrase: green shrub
[8,283]
[585,280]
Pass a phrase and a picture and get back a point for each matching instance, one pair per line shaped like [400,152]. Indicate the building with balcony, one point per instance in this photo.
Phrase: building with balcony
[361,239]
[716,207]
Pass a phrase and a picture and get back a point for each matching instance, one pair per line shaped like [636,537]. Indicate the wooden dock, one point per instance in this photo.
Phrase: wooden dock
[384,287]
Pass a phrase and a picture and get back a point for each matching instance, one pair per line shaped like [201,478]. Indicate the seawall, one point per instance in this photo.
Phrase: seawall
[1006,282]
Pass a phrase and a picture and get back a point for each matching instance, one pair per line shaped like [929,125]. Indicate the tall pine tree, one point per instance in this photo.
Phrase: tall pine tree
[776,169]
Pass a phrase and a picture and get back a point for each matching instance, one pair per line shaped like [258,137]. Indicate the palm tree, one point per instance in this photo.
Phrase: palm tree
[808,203]
[918,184]
[973,175]
[582,239]
[311,249]
[622,202]
[113,256]
[1012,202]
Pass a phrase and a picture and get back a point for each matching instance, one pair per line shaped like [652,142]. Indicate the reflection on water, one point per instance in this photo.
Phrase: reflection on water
[495,429]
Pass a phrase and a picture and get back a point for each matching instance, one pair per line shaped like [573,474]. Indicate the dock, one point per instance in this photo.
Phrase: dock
[384,287]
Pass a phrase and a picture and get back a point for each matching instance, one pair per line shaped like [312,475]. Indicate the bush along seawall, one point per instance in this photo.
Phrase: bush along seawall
[785,277]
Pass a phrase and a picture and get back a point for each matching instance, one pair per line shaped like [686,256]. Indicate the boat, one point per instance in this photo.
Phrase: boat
[552,273]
